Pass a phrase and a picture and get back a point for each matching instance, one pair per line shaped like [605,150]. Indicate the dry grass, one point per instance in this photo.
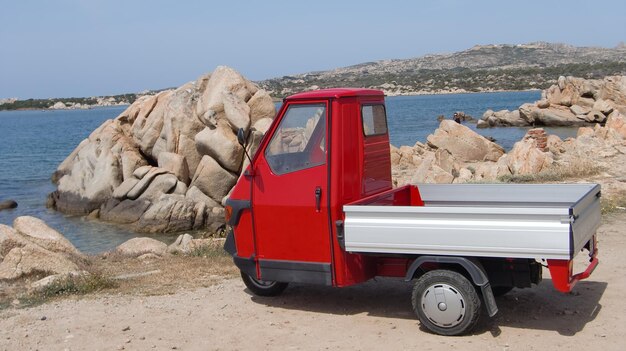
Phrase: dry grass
[578,170]
[120,274]
[203,267]
[614,203]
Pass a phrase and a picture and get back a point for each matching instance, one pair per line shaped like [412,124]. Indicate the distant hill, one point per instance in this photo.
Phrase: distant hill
[481,68]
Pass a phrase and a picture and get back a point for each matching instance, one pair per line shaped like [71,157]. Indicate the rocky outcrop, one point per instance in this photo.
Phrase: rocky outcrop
[167,162]
[31,247]
[570,102]
[453,154]
[600,147]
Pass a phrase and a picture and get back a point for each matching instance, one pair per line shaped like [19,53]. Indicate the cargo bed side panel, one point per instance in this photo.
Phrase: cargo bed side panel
[586,222]
[459,231]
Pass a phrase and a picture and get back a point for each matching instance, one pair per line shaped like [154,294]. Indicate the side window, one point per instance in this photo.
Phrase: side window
[374,120]
[299,140]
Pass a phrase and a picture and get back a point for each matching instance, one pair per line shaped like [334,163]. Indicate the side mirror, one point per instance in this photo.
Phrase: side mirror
[241,137]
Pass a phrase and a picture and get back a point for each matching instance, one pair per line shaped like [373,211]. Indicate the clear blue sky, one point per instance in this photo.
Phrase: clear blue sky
[91,47]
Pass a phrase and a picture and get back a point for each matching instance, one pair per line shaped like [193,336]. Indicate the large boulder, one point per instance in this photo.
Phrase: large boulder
[261,107]
[37,231]
[139,246]
[145,179]
[9,239]
[175,164]
[617,122]
[90,178]
[32,247]
[212,179]
[158,203]
[527,158]
[503,118]
[490,171]
[126,211]
[613,88]
[578,110]
[224,81]
[180,213]
[595,116]
[186,244]
[463,143]
[221,144]
[196,195]
[30,259]
[162,184]
[555,115]
[189,133]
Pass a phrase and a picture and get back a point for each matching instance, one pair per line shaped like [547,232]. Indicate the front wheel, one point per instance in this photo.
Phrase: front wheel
[446,302]
[263,287]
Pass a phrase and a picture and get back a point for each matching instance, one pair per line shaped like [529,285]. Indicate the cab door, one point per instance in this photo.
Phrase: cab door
[290,197]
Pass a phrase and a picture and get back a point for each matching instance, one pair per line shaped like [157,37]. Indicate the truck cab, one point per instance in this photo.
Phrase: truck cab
[316,205]
[325,149]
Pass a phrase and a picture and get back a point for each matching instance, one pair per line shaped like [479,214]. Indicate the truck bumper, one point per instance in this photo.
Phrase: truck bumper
[229,244]
[561,271]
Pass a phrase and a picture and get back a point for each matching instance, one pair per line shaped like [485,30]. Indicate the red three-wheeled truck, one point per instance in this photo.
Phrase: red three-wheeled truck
[316,205]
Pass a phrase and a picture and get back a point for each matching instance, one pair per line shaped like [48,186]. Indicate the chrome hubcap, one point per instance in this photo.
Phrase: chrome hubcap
[443,305]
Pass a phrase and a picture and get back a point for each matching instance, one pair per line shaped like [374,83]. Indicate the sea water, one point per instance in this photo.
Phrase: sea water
[33,143]
[413,118]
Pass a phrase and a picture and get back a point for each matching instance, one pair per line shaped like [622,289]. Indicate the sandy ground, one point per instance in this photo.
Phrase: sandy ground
[376,315]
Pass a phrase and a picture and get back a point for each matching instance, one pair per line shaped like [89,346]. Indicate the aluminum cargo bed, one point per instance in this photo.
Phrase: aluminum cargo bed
[551,221]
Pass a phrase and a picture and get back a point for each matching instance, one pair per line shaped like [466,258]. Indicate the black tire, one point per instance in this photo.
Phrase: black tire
[501,290]
[263,287]
[445,302]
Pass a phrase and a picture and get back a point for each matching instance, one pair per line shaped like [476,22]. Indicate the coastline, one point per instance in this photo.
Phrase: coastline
[94,107]
[441,92]
[449,92]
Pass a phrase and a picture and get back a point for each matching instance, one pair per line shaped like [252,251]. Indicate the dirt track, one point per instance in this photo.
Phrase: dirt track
[371,316]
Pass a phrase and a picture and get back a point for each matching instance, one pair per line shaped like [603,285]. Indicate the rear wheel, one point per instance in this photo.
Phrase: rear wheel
[445,302]
[263,287]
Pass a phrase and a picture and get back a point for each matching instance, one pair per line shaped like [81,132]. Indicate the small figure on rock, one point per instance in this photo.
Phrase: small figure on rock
[457,117]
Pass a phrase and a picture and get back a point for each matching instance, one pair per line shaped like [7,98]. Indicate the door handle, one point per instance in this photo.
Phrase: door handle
[318,198]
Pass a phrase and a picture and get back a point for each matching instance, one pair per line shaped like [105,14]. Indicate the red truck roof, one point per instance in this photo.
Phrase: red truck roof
[335,93]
